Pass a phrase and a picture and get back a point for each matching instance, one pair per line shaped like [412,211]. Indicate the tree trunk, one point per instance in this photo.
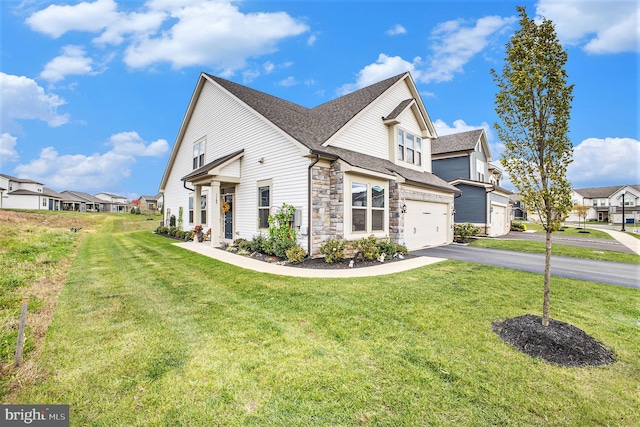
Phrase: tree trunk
[547,281]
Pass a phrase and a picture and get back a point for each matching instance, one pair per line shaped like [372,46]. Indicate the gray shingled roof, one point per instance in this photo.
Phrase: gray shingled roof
[601,192]
[211,165]
[21,180]
[51,193]
[80,196]
[314,126]
[456,142]
[376,164]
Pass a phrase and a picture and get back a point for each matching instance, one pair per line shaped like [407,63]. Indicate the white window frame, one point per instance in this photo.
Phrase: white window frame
[199,154]
[369,182]
[259,206]
[406,150]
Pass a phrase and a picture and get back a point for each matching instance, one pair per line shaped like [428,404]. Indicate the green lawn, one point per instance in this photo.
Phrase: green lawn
[146,333]
[556,249]
[572,231]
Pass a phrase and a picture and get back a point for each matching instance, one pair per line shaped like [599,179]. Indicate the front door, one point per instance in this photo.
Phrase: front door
[227,201]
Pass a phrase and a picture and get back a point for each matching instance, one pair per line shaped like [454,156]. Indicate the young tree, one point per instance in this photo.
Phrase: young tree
[582,211]
[533,104]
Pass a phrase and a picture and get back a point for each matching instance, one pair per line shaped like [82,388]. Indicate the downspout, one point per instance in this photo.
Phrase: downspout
[310,207]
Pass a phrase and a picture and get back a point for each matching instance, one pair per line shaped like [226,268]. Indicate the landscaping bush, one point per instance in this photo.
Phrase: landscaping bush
[162,230]
[296,254]
[333,250]
[368,246]
[172,221]
[465,231]
[257,243]
[242,244]
[518,226]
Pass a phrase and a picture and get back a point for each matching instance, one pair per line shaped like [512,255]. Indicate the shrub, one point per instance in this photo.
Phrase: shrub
[172,221]
[257,243]
[172,231]
[368,246]
[162,230]
[281,236]
[242,244]
[179,234]
[187,235]
[132,211]
[296,254]
[387,247]
[465,230]
[333,250]
[518,226]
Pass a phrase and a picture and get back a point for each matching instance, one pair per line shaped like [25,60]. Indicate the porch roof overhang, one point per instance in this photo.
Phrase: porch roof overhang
[214,168]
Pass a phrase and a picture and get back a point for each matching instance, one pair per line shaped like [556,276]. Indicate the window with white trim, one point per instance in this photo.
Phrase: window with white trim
[409,147]
[203,209]
[368,207]
[264,204]
[198,154]
[191,210]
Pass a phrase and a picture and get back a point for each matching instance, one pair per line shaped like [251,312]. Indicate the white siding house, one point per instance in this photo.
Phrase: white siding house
[605,203]
[21,193]
[346,165]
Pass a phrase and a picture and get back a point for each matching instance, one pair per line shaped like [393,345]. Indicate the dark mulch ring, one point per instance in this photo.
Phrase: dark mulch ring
[321,263]
[559,343]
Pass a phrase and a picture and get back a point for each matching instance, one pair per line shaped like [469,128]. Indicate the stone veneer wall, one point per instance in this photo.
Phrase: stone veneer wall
[396,217]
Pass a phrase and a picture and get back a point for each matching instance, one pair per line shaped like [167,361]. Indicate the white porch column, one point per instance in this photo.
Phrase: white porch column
[214,214]
[197,195]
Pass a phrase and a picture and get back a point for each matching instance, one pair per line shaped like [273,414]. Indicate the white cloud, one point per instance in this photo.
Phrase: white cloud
[92,172]
[312,40]
[72,61]
[131,24]
[8,151]
[268,67]
[130,143]
[609,161]
[455,44]
[56,20]
[598,26]
[396,30]
[384,67]
[215,34]
[288,82]
[28,101]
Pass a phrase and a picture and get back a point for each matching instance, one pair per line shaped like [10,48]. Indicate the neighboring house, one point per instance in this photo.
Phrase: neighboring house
[113,203]
[21,193]
[518,208]
[606,203]
[80,202]
[352,167]
[463,159]
[149,203]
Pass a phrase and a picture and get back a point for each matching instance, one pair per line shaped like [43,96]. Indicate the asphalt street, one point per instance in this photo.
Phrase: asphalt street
[613,273]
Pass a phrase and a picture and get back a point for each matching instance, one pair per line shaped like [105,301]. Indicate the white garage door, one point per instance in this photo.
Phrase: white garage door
[498,220]
[425,224]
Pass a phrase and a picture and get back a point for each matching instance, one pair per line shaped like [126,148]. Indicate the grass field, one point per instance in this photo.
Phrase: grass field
[571,231]
[146,333]
[557,249]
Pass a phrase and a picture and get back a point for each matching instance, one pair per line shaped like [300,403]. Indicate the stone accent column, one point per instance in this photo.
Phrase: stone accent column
[396,216]
[214,214]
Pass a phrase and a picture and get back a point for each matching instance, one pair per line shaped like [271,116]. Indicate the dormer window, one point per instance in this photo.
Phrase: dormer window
[409,148]
[198,154]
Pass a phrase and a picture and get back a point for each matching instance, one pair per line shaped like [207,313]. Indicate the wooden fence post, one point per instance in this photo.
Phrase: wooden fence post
[23,321]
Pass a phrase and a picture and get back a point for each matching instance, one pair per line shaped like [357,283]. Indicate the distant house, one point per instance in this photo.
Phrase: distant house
[605,203]
[79,201]
[149,203]
[113,203]
[356,166]
[518,209]
[22,193]
[463,159]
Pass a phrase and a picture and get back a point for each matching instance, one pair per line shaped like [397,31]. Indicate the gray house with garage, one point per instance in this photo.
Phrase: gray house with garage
[464,160]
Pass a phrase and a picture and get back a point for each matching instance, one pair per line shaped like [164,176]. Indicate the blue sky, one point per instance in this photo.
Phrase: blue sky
[94,92]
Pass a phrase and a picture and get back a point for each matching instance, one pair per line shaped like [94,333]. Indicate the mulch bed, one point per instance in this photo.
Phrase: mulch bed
[321,264]
[559,343]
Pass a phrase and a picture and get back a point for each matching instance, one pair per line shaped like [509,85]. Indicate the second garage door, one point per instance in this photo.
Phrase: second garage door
[425,224]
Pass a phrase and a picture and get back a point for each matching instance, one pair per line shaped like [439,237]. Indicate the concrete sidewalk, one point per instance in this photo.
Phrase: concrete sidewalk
[629,241]
[283,270]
